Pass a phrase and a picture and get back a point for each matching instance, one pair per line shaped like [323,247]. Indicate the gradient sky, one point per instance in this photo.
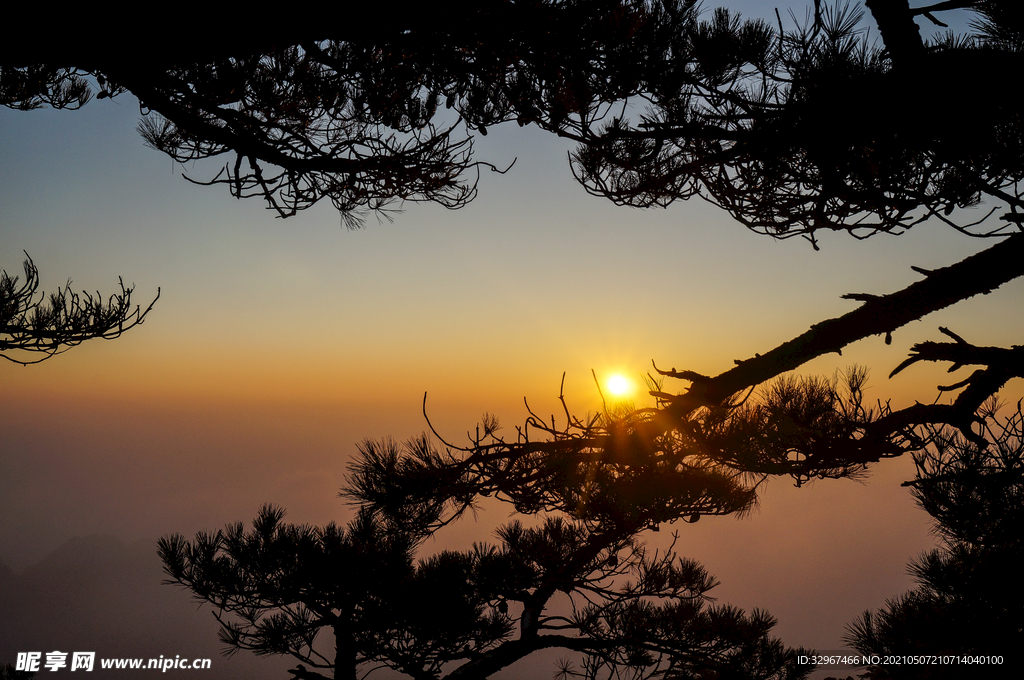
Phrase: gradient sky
[277,345]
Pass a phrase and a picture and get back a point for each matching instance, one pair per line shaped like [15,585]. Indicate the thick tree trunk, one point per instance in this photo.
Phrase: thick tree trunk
[899,31]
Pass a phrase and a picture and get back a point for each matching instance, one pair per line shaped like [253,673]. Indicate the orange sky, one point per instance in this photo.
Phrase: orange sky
[277,345]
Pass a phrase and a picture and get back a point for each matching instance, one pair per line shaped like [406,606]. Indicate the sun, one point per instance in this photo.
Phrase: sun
[618,385]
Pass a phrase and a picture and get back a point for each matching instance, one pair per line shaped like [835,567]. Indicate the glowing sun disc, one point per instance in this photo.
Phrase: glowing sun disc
[618,385]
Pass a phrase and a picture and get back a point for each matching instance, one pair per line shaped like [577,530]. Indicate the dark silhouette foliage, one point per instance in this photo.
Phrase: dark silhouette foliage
[374,113]
[31,326]
[791,129]
[7,672]
[819,127]
[969,597]
[286,583]
[596,593]
[613,472]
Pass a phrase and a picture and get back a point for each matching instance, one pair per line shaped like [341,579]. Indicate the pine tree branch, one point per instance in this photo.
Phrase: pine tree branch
[979,274]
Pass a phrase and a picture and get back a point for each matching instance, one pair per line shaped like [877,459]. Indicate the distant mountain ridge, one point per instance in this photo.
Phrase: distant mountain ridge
[99,594]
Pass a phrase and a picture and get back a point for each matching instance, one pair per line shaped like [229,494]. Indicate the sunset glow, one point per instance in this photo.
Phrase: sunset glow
[543,374]
[619,386]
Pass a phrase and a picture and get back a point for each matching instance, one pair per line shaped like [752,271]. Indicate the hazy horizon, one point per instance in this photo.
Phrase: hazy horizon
[278,345]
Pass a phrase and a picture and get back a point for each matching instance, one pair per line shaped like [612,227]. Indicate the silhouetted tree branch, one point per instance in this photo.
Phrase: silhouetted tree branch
[613,472]
[813,128]
[791,130]
[38,85]
[969,598]
[704,451]
[465,615]
[50,326]
[871,437]
[328,110]
[276,587]
[878,315]
[974,493]
[625,472]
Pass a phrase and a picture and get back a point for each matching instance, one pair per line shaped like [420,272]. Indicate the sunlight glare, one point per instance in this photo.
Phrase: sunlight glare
[618,385]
